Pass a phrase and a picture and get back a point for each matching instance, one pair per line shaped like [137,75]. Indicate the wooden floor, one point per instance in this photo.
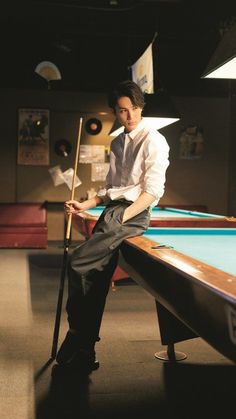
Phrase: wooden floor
[131,382]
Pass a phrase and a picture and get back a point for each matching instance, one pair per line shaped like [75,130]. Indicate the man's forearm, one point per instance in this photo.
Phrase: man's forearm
[142,203]
[92,202]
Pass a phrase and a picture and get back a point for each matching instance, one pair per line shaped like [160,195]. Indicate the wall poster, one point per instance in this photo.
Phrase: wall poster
[191,143]
[99,171]
[33,137]
[92,153]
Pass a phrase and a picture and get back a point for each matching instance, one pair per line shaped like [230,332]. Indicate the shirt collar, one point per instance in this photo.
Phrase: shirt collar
[132,134]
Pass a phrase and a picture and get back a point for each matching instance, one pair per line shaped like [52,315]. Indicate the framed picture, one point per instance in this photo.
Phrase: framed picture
[33,137]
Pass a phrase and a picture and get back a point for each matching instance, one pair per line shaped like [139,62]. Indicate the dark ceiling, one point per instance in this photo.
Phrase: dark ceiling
[93,43]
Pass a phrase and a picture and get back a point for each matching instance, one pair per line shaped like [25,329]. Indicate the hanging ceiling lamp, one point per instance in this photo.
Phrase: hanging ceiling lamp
[222,64]
[159,111]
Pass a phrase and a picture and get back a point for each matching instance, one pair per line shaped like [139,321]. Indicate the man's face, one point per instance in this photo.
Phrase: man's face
[127,114]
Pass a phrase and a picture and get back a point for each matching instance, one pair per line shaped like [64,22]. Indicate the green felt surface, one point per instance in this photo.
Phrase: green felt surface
[214,246]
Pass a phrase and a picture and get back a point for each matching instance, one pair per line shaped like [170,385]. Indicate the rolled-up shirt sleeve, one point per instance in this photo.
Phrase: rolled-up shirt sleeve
[102,193]
[156,164]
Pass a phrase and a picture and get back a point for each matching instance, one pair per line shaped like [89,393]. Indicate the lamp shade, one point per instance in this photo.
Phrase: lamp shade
[159,111]
[116,129]
[160,105]
[222,64]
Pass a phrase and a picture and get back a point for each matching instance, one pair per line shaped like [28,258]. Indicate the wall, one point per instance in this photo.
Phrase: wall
[22,183]
[201,181]
[204,181]
[34,183]
[232,158]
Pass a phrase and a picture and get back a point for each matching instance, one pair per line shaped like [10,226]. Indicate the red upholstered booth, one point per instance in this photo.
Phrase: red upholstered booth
[23,225]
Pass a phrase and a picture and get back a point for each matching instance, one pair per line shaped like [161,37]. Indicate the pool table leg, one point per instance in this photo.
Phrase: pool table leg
[172,330]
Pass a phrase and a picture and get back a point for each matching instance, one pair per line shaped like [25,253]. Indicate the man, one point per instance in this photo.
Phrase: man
[134,184]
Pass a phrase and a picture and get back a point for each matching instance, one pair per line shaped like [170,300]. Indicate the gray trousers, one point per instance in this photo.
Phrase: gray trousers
[91,266]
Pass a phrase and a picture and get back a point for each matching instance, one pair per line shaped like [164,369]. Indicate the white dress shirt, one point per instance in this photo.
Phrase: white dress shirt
[138,163]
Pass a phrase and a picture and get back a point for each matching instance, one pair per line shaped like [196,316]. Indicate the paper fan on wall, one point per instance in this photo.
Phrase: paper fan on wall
[48,71]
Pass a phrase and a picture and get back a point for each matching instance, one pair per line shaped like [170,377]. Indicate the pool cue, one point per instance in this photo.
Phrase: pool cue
[66,249]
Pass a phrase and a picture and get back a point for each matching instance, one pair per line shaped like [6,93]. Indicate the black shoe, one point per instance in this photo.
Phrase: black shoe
[85,361]
[71,352]
[68,349]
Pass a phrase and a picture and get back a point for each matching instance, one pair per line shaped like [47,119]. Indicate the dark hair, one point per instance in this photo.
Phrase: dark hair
[126,88]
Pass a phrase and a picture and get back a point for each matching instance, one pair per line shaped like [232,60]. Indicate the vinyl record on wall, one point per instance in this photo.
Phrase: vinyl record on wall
[62,148]
[93,126]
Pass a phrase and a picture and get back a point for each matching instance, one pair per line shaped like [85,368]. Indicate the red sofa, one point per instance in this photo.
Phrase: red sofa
[23,225]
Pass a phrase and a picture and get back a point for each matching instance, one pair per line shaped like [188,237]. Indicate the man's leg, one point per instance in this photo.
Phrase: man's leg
[89,278]
[90,270]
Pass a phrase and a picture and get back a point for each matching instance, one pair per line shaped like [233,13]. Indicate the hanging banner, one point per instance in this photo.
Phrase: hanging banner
[142,71]
[60,177]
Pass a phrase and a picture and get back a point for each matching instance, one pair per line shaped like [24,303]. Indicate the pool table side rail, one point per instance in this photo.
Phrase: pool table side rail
[208,222]
[197,300]
[194,269]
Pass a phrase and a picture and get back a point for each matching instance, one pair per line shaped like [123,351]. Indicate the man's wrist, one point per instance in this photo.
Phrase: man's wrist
[125,218]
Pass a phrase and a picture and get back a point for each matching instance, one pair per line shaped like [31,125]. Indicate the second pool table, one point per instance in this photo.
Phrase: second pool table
[160,217]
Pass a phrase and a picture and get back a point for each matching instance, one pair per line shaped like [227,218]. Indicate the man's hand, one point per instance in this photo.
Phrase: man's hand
[142,203]
[73,207]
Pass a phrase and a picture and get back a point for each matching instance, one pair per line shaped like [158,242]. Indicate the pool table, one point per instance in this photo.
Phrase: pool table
[191,273]
[161,216]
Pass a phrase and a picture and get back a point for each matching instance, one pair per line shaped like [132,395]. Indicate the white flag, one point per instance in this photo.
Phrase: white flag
[60,177]
[142,71]
[57,175]
[68,176]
